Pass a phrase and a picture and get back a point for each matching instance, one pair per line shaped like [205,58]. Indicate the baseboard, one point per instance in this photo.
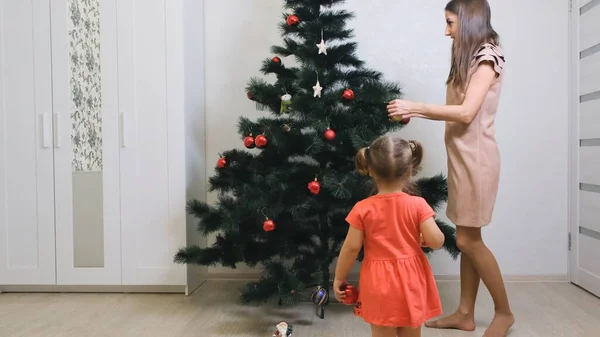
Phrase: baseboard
[234,276]
[190,290]
[353,277]
[254,276]
[513,278]
[91,289]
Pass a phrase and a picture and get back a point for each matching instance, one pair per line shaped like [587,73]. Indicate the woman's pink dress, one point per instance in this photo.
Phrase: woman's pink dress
[473,156]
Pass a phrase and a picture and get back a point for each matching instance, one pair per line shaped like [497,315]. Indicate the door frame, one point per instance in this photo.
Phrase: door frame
[583,280]
[573,141]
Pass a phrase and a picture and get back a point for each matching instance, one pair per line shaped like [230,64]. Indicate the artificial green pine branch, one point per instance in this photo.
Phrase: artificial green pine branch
[257,186]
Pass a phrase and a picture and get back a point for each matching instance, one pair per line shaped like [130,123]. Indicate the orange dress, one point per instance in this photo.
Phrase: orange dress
[396,286]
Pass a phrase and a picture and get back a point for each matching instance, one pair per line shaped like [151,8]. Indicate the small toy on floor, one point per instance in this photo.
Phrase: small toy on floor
[283,330]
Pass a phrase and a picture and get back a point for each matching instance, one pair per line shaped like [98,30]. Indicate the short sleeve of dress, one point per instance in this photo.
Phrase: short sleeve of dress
[425,211]
[493,54]
[355,218]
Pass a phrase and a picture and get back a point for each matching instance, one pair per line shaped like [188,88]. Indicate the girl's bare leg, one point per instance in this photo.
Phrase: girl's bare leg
[409,332]
[382,331]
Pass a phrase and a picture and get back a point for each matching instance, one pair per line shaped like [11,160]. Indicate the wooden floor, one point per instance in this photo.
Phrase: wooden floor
[541,309]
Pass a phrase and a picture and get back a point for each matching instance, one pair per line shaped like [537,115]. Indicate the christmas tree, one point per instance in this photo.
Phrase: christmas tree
[282,205]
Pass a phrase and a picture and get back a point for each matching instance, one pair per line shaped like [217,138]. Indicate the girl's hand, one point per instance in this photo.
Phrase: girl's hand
[337,290]
[423,244]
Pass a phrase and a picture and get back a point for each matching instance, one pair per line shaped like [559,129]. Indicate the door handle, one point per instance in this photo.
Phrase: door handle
[123,125]
[46,137]
[56,129]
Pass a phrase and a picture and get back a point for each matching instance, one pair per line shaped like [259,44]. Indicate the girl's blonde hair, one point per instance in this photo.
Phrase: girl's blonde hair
[389,158]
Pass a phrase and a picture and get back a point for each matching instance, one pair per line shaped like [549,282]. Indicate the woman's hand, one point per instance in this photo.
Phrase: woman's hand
[337,290]
[399,109]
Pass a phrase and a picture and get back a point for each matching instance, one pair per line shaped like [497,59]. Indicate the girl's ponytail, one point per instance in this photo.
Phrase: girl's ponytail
[362,162]
[417,153]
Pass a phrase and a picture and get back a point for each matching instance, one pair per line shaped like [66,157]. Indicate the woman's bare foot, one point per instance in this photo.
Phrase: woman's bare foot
[500,325]
[455,321]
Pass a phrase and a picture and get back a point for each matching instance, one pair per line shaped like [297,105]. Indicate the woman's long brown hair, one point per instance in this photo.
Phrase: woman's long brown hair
[474,29]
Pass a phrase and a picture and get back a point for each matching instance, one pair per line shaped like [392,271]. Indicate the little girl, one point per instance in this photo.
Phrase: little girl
[397,291]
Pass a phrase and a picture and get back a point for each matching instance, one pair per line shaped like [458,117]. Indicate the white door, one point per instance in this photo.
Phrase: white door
[86,120]
[585,149]
[152,216]
[26,172]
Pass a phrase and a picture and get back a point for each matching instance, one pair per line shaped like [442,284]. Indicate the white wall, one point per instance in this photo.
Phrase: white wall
[405,40]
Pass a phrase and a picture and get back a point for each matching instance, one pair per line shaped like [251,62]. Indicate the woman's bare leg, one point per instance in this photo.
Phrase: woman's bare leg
[409,332]
[471,243]
[464,317]
[382,331]
[483,262]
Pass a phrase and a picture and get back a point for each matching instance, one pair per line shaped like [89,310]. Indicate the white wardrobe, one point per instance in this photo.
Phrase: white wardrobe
[101,143]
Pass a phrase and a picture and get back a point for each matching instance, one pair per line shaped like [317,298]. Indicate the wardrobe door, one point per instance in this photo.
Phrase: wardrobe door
[26,182]
[87,142]
[152,214]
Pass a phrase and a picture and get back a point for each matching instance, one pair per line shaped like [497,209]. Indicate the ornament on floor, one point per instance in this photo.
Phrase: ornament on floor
[317,88]
[322,46]
[320,297]
[314,186]
[221,162]
[276,59]
[351,294]
[260,141]
[249,142]
[329,134]
[348,94]
[286,101]
[293,20]
[268,224]
[283,330]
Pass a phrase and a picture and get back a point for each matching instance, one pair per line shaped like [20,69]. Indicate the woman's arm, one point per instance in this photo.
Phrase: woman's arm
[464,113]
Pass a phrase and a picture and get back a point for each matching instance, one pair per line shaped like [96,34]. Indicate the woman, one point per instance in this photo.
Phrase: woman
[473,89]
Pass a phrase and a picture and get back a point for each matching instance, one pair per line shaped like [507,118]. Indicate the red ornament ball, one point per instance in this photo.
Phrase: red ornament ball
[351,294]
[249,142]
[268,225]
[260,141]
[314,187]
[221,162]
[249,95]
[276,60]
[348,94]
[292,20]
[404,120]
[329,134]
